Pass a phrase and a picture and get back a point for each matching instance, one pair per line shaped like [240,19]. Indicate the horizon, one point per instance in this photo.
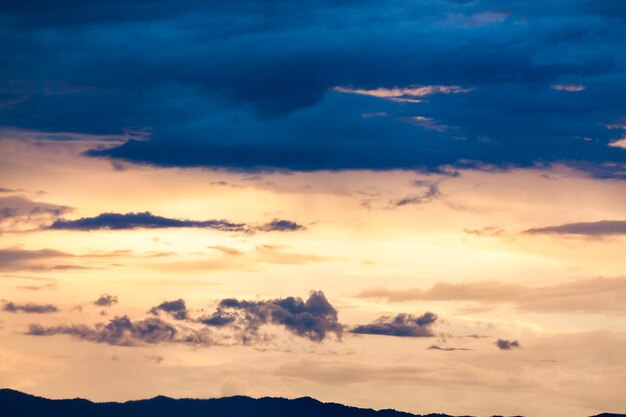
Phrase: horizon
[413,205]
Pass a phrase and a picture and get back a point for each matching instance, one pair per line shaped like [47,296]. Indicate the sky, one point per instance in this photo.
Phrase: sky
[416,205]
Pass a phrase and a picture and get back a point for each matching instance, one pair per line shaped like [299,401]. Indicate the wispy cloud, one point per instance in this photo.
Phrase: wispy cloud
[122,331]
[403,93]
[570,88]
[599,295]
[597,229]
[29,308]
[427,123]
[18,213]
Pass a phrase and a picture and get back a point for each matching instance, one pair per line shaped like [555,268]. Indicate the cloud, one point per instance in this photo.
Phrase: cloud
[594,296]
[404,92]
[571,88]
[35,260]
[314,318]
[29,308]
[18,213]
[427,123]
[145,220]
[403,325]
[446,349]
[507,344]
[176,309]
[234,259]
[427,192]
[106,300]
[54,260]
[121,331]
[597,229]
[621,143]
[278,225]
[266,100]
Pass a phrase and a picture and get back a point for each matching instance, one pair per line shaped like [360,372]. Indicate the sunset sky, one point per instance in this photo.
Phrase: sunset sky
[417,205]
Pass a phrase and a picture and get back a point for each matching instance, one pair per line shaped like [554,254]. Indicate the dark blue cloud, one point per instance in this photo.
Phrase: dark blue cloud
[147,220]
[249,84]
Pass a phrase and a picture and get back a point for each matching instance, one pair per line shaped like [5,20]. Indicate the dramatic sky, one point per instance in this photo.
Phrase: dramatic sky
[417,205]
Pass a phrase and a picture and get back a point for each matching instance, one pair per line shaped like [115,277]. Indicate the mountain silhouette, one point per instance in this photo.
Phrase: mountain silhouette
[18,404]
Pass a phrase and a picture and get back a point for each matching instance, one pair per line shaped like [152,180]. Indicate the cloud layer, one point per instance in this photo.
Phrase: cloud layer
[598,295]
[286,85]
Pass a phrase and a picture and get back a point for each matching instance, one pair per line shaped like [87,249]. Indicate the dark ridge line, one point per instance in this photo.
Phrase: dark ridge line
[19,404]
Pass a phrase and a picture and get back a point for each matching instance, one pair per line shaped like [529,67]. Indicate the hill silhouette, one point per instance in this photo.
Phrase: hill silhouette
[18,404]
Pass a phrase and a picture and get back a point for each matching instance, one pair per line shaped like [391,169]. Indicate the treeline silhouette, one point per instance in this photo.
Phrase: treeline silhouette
[17,404]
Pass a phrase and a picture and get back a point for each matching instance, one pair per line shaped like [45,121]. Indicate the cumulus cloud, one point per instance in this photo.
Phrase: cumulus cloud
[314,318]
[29,308]
[597,229]
[402,325]
[507,344]
[106,300]
[176,308]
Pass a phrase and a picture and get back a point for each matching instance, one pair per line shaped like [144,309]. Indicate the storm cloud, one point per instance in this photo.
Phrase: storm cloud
[539,85]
